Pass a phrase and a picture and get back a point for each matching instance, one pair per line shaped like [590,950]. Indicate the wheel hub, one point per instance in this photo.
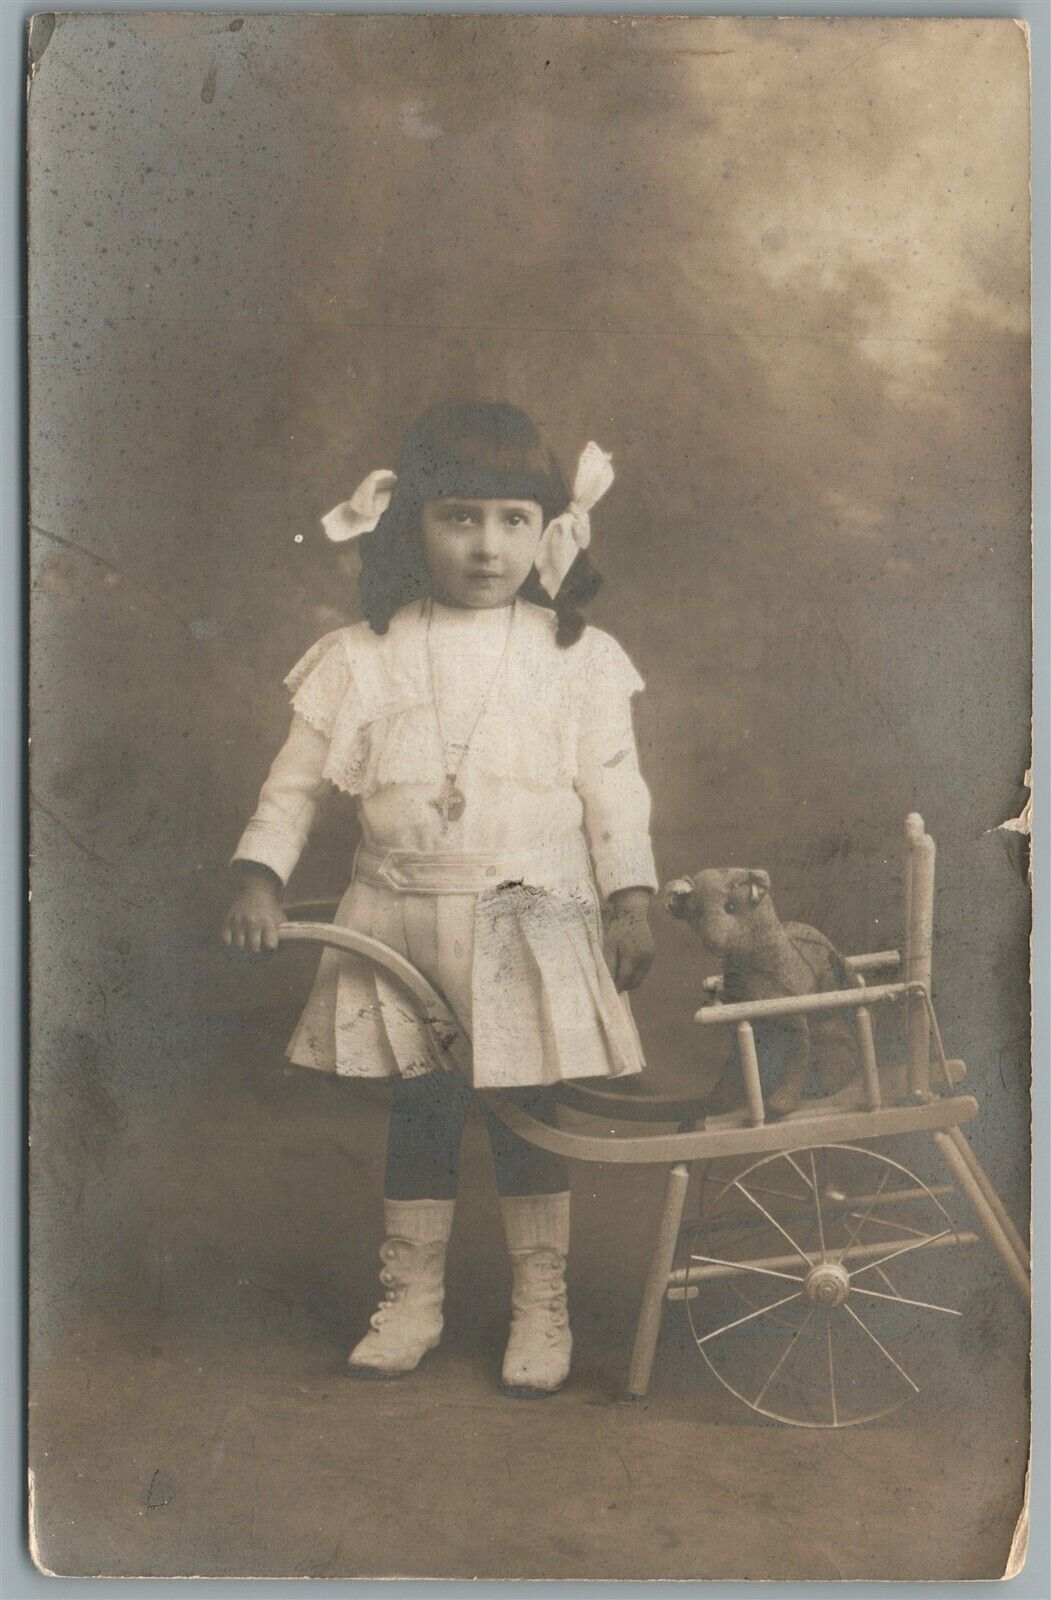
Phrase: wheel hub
[827,1285]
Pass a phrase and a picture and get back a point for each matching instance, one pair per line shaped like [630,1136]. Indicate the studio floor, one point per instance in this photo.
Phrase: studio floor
[194,1419]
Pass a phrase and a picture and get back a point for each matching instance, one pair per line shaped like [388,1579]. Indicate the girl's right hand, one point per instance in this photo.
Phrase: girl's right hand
[254,918]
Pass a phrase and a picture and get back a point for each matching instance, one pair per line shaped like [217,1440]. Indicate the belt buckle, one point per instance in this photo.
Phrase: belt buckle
[387,872]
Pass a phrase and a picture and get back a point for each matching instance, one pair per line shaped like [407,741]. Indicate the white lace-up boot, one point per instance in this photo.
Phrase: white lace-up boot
[408,1321]
[538,1350]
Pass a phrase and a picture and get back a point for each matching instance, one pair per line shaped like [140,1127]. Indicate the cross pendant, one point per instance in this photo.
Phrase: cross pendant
[450,803]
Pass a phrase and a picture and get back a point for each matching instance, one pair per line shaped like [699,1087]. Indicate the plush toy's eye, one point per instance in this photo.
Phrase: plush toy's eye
[729,907]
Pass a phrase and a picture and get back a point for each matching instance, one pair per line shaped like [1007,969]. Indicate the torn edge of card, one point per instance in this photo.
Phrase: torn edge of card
[1023,823]
[31,1533]
[1016,1556]
[39,31]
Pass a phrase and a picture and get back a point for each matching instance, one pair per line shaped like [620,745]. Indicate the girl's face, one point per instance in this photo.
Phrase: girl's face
[480,552]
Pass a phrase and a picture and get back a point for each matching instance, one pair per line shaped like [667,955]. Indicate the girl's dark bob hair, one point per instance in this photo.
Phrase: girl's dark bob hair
[475,450]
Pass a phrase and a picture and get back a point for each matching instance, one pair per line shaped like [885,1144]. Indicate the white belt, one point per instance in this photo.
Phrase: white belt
[559,863]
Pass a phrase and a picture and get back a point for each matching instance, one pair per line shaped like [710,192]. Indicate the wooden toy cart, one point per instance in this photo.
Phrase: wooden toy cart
[814,1259]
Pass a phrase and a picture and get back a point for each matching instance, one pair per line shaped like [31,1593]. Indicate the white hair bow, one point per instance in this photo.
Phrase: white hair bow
[564,536]
[570,532]
[363,510]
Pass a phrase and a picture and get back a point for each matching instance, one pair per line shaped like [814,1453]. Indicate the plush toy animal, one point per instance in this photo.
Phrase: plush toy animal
[730,909]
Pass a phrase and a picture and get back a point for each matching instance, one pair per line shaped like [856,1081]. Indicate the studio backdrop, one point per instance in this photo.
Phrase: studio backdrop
[780,270]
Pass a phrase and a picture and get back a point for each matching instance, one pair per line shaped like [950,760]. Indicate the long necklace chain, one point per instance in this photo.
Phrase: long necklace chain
[451,802]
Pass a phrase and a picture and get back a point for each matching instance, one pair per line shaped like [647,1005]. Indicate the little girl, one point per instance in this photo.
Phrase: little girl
[486,734]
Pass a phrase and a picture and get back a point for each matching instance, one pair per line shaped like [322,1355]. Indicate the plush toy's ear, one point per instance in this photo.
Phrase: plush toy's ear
[674,896]
[758,885]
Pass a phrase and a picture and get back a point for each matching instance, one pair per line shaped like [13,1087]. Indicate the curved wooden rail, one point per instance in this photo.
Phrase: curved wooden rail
[595,1100]
[712,1143]
[434,1010]
[724,1136]
[434,1007]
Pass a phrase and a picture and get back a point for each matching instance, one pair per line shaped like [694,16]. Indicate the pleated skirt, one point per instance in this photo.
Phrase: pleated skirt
[523,972]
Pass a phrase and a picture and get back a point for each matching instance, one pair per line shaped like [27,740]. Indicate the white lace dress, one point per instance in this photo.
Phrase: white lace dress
[555,812]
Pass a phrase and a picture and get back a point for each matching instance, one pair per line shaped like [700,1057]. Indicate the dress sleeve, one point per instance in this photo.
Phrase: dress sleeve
[615,797]
[288,801]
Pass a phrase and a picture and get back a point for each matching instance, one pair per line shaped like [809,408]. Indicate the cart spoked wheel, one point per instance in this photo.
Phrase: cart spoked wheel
[811,1277]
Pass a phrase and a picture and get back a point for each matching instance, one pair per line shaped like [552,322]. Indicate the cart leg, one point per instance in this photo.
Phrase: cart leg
[999,1240]
[649,1325]
[981,1178]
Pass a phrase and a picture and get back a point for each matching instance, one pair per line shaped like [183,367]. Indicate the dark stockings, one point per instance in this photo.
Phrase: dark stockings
[427,1116]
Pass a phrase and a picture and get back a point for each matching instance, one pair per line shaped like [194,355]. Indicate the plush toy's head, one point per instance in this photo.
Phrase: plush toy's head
[729,908]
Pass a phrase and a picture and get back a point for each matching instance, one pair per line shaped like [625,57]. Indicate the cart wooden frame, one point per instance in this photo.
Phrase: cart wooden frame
[916,1097]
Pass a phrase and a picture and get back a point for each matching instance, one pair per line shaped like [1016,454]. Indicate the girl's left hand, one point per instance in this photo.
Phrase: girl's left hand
[629,942]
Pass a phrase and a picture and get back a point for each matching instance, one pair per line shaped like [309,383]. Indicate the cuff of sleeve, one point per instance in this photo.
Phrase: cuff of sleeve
[272,847]
[626,866]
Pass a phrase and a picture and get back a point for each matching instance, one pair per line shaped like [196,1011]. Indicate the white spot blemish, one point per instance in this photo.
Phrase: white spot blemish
[412,121]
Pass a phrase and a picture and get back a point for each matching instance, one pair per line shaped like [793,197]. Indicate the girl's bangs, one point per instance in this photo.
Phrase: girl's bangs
[478,480]
[475,451]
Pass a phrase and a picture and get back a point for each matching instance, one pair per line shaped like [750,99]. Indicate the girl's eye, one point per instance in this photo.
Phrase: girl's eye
[515,519]
[729,907]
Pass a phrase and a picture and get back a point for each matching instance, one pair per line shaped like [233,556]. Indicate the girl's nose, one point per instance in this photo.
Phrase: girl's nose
[487,537]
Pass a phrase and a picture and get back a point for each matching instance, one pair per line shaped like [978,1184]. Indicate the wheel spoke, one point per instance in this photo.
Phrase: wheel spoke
[782,1231]
[746,1266]
[881,1347]
[746,1300]
[820,1226]
[923,1305]
[778,1194]
[735,1289]
[932,1238]
[764,1311]
[831,1369]
[785,1355]
[799,1171]
[817,1205]
[902,1227]
[852,1235]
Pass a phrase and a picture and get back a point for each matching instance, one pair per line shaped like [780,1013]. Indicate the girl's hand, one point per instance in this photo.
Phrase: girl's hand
[255,916]
[629,942]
